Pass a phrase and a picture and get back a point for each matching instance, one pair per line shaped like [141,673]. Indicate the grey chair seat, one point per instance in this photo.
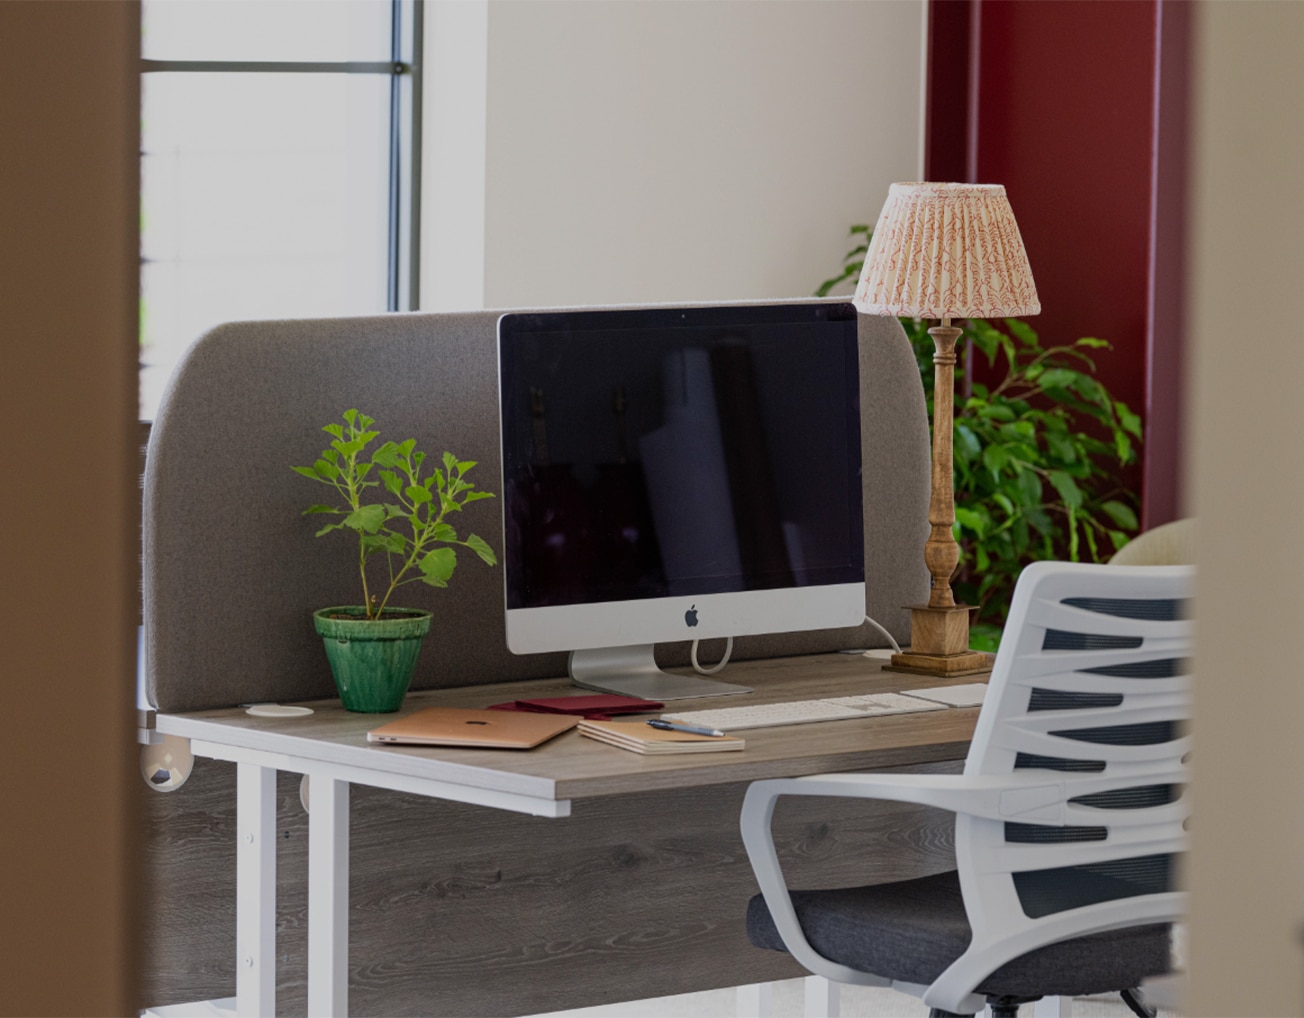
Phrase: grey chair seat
[913,929]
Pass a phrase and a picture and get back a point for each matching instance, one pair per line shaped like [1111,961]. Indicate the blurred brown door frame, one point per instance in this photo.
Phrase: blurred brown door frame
[69,505]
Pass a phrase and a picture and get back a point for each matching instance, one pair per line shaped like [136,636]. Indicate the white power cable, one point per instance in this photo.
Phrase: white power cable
[895,646]
[728,649]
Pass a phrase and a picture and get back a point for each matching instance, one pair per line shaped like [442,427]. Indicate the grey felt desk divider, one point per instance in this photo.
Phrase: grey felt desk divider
[232,571]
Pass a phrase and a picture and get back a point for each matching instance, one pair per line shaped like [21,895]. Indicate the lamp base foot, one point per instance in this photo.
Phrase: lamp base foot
[969,662]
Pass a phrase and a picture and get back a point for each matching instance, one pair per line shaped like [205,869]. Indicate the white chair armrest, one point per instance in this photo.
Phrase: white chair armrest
[1031,796]
[944,790]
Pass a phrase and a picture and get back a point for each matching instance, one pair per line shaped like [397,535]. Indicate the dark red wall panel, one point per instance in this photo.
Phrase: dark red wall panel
[1060,104]
[1064,121]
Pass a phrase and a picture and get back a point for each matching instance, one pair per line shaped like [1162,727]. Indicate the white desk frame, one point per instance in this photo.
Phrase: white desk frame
[328,855]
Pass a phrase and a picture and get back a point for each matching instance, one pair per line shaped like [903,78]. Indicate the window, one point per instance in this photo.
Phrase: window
[280,165]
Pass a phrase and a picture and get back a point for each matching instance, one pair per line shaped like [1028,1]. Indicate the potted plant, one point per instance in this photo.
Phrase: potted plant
[373,647]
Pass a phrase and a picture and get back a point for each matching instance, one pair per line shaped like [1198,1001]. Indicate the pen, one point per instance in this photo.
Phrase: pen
[679,726]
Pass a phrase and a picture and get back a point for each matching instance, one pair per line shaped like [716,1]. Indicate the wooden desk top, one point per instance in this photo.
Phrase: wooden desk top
[574,767]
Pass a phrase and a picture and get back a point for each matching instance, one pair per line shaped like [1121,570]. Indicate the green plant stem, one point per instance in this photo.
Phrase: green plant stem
[366,594]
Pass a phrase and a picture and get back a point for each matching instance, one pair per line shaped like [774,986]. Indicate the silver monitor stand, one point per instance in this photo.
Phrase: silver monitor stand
[632,671]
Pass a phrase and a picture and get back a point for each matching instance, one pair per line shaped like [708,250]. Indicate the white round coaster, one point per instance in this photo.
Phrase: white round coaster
[277,710]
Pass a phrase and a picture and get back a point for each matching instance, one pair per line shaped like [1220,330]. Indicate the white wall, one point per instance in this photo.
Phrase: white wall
[1247,862]
[665,151]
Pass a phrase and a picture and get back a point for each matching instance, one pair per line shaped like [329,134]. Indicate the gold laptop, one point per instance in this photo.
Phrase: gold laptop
[454,726]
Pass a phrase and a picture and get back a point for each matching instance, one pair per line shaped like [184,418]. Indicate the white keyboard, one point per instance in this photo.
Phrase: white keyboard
[798,712]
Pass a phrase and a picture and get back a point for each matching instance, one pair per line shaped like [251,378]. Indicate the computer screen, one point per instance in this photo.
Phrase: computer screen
[678,473]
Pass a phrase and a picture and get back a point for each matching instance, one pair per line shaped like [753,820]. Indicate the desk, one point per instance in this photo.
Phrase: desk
[330,748]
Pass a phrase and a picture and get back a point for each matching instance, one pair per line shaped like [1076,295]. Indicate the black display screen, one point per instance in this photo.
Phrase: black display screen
[667,451]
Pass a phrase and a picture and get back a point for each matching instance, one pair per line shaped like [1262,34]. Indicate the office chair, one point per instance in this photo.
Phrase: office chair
[1069,816]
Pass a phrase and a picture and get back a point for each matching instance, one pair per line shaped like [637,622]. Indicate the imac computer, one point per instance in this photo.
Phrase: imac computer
[673,474]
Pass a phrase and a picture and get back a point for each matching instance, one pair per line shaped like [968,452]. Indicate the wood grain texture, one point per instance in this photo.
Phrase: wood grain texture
[572,767]
[466,910]
[463,910]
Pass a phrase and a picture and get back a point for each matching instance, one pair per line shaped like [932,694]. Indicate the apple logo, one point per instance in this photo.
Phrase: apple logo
[690,616]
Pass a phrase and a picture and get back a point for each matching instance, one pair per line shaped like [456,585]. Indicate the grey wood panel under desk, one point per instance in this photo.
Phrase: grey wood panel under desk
[468,911]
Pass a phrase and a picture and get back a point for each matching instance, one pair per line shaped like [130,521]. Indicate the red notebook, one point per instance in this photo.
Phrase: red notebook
[598,707]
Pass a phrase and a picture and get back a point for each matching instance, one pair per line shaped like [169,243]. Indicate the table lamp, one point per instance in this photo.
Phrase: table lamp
[944,251]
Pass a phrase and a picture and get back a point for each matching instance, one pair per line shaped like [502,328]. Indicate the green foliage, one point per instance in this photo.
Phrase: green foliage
[851,261]
[1036,456]
[410,528]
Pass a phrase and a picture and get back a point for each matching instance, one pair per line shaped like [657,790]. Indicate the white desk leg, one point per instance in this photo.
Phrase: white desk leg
[756,1000]
[255,910]
[1053,1007]
[328,897]
[822,997]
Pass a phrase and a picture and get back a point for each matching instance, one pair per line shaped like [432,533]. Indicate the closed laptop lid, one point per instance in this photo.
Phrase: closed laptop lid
[455,726]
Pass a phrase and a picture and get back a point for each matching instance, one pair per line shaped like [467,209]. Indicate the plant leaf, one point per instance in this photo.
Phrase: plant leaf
[1121,514]
[437,566]
[478,545]
[386,456]
[975,521]
[997,412]
[367,518]
[1090,535]
[995,457]
[320,509]
[1059,378]
[1128,421]
[1023,332]
[307,472]
[1062,447]
[1068,491]
[966,442]
[443,532]
[1029,488]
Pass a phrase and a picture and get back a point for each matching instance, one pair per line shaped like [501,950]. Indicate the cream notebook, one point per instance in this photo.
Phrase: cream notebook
[638,737]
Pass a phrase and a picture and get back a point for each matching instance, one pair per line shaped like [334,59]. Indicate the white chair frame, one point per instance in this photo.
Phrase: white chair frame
[991,792]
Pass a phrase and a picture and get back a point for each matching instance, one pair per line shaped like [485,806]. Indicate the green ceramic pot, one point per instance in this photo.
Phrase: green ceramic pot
[372,660]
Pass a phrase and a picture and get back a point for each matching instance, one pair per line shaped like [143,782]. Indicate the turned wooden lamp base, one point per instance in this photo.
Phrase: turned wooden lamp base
[939,644]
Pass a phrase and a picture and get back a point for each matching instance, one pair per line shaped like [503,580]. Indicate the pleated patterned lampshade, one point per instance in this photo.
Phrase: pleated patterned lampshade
[947,251]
